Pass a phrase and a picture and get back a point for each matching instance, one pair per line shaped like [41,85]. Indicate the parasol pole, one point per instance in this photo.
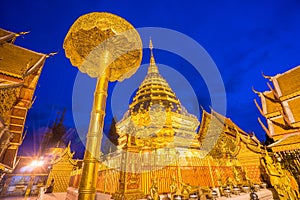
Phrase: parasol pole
[87,189]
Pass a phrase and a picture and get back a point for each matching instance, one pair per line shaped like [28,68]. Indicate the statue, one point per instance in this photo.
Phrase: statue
[253,195]
[286,181]
[50,187]
[236,175]
[187,189]
[248,181]
[279,179]
[219,178]
[154,190]
[173,187]
[231,183]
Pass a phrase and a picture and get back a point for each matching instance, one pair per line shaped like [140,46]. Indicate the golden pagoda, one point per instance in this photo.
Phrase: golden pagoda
[156,117]
[153,132]
[162,148]
[20,69]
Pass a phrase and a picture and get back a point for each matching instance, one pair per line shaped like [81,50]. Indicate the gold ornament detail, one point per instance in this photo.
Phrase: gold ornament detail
[97,36]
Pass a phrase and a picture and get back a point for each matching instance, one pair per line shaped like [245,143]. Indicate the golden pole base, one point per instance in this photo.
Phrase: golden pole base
[88,181]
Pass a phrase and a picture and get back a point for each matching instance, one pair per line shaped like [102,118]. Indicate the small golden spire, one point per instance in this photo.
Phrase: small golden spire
[151,45]
[152,68]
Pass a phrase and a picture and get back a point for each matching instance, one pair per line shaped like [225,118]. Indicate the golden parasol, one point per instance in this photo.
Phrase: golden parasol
[107,47]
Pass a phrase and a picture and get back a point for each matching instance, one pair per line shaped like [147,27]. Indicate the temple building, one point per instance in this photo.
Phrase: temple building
[31,173]
[62,165]
[280,106]
[163,148]
[20,70]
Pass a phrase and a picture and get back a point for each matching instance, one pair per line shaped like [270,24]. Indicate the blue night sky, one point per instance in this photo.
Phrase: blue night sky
[244,38]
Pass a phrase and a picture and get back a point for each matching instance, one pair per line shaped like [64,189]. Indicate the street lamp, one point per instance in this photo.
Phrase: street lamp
[33,165]
[106,47]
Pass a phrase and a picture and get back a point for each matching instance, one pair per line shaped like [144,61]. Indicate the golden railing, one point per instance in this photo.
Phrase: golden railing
[192,170]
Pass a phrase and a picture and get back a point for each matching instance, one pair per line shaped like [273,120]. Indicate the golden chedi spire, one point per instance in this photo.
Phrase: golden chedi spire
[157,115]
[154,90]
[152,68]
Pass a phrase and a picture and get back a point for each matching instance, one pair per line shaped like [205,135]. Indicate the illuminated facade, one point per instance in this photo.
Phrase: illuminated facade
[62,164]
[280,105]
[57,164]
[20,70]
[161,144]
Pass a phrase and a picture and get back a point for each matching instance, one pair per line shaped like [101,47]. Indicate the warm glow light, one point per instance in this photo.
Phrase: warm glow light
[34,163]
[40,163]
[37,163]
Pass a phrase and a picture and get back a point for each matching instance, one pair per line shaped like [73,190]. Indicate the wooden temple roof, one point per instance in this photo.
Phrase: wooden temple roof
[295,108]
[281,105]
[20,69]
[16,61]
[289,81]
[215,126]
[6,36]
[272,107]
[289,142]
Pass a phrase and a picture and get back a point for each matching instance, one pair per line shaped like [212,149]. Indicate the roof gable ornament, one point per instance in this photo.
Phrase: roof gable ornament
[66,153]
[266,77]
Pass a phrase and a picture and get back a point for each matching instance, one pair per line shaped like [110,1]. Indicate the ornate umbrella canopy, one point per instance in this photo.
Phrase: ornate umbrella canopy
[97,41]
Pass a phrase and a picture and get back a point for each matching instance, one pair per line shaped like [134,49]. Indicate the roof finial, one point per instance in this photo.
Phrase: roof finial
[152,68]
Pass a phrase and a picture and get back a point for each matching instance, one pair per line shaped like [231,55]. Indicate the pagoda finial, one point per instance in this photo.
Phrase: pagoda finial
[151,45]
[152,68]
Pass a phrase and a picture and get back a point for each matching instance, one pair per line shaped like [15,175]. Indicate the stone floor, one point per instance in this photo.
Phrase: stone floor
[53,196]
[262,194]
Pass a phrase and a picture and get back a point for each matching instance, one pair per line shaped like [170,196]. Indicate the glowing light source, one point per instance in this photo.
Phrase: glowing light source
[37,163]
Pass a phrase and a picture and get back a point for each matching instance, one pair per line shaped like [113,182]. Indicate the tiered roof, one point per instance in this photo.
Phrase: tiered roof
[20,69]
[281,107]
[155,99]
[289,82]
[154,90]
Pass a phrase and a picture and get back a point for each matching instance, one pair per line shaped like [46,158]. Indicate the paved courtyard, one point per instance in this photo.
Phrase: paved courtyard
[54,196]
[263,195]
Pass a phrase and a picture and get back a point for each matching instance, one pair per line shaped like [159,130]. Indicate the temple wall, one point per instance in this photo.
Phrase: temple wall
[250,162]
[108,181]
[199,172]
[75,178]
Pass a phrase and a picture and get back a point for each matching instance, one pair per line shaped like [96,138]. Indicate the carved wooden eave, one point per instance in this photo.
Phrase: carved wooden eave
[6,36]
[264,127]
[277,98]
[10,37]
[203,125]
[266,76]
[287,143]
[280,107]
